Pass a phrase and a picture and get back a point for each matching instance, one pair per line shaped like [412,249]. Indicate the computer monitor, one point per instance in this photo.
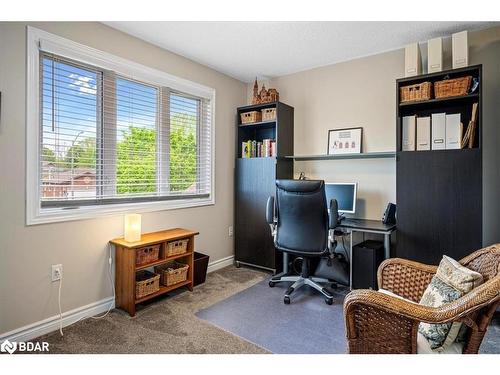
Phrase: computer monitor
[345,194]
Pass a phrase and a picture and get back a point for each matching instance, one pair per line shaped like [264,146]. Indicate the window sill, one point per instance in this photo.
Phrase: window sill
[57,215]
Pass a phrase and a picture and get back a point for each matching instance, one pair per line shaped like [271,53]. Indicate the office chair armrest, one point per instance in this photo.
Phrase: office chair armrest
[406,278]
[334,214]
[270,211]
[270,218]
[333,222]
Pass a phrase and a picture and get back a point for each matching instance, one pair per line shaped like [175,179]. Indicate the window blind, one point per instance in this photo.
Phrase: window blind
[70,120]
[109,139]
[136,139]
[188,172]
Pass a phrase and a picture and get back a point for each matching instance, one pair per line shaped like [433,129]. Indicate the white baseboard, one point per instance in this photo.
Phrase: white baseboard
[51,324]
[220,263]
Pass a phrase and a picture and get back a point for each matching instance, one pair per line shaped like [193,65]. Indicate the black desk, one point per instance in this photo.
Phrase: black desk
[368,226]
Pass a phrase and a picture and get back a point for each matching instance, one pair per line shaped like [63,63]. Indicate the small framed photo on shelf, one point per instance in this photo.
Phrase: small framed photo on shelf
[345,141]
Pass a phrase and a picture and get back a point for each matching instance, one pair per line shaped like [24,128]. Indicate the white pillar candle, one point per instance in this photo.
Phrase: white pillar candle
[132,227]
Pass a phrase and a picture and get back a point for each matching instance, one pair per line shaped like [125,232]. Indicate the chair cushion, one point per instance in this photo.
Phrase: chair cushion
[423,346]
[451,281]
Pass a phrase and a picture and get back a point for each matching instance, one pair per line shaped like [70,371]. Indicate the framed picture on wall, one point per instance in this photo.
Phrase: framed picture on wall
[345,141]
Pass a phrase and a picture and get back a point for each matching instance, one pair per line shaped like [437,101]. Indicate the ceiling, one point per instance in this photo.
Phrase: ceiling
[245,50]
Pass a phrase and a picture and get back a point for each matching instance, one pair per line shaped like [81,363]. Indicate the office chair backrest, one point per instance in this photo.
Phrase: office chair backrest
[302,217]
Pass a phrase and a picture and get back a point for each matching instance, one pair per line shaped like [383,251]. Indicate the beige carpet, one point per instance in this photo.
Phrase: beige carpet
[167,325]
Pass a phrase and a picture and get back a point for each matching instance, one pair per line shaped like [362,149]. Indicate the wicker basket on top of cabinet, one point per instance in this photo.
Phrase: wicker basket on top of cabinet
[147,254]
[176,247]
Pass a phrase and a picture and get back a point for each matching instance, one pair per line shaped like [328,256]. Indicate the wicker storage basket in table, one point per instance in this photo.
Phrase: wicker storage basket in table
[176,247]
[452,87]
[417,92]
[249,117]
[146,283]
[172,273]
[147,254]
[268,114]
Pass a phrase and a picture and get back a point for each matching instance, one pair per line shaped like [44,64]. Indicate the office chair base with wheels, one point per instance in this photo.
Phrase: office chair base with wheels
[298,282]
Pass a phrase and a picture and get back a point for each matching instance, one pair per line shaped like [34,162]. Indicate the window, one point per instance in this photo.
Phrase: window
[112,135]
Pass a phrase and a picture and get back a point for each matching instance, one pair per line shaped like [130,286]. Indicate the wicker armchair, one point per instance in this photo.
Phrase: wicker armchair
[381,323]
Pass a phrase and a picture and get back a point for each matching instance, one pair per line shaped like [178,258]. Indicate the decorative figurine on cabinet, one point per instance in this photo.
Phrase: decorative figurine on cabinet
[264,96]
[256,98]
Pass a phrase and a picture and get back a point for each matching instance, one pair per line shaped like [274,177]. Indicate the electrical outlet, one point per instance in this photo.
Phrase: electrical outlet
[57,270]
[230,231]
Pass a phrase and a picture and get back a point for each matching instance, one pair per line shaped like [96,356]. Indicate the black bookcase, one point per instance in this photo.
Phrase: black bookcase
[255,181]
[439,192]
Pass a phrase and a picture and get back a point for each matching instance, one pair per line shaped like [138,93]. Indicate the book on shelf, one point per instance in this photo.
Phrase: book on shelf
[258,149]
[273,148]
[245,150]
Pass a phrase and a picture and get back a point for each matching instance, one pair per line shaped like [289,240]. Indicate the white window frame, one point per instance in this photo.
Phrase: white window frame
[39,39]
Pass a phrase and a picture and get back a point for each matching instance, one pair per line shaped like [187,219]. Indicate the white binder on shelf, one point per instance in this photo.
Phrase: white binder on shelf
[423,133]
[438,121]
[413,60]
[460,49]
[454,131]
[435,55]
[408,138]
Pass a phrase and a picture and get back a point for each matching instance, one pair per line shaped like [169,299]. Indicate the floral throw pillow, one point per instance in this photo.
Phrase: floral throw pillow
[452,281]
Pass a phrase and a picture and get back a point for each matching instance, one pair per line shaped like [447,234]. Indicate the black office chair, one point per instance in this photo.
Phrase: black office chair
[301,226]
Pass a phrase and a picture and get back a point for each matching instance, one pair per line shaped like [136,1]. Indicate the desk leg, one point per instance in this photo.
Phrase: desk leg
[387,245]
[350,258]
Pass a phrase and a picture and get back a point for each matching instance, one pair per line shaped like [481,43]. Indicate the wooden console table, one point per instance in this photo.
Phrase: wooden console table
[126,267]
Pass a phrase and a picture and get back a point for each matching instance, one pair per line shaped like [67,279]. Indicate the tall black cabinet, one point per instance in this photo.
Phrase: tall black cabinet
[255,181]
[439,192]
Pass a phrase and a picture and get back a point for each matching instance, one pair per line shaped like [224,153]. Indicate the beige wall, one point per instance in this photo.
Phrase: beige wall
[26,253]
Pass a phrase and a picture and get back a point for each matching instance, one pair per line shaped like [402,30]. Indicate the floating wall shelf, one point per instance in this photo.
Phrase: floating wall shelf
[364,155]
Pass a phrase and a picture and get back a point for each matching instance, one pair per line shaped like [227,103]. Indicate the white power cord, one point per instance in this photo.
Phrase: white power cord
[110,262]
[60,310]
